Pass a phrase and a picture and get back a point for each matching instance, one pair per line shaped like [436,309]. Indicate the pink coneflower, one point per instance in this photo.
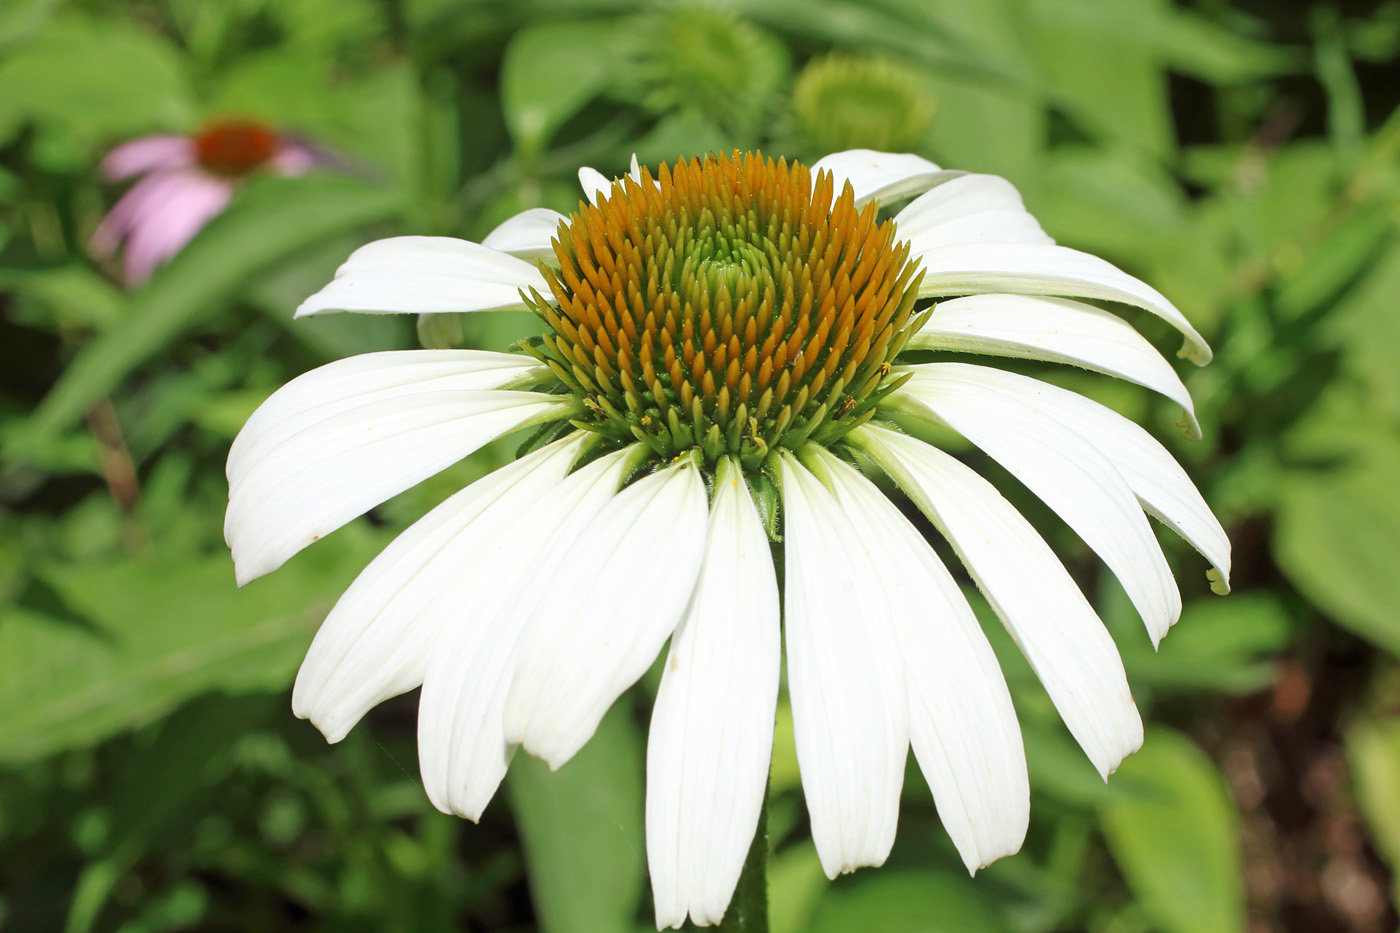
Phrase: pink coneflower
[187,181]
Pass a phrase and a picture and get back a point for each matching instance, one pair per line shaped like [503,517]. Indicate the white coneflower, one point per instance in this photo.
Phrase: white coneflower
[719,338]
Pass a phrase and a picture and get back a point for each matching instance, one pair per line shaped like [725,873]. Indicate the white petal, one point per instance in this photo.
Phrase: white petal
[462,747]
[881,176]
[1041,269]
[369,377]
[375,643]
[607,611]
[968,209]
[1062,468]
[340,467]
[1027,586]
[1056,329]
[961,721]
[424,275]
[711,735]
[594,183]
[845,678]
[1161,485]
[527,235]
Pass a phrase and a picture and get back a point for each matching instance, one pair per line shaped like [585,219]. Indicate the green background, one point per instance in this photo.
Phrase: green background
[1242,157]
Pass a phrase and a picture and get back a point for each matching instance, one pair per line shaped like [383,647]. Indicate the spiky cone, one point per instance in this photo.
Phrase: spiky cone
[728,306]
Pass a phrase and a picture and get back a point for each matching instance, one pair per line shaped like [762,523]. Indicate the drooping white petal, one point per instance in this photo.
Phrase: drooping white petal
[1065,470]
[711,735]
[1043,269]
[845,678]
[425,275]
[1049,618]
[527,235]
[375,643]
[961,721]
[462,748]
[607,612]
[881,176]
[338,468]
[594,183]
[1161,485]
[369,377]
[968,209]
[1031,327]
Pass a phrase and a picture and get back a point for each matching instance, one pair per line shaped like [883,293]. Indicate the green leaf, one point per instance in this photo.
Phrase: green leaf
[99,79]
[549,72]
[915,29]
[1338,261]
[19,19]
[1112,88]
[1058,767]
[1219,644]
[1111,201]
[1174,834]
[1337,537]
[893,901]
[75,297]
[1188,42]
[190,751]
[1364,323]
[139,636]
[582,830]
[271,220]
[1373,749]
[795,887]
[1346,111]
[988,126]
[682,133]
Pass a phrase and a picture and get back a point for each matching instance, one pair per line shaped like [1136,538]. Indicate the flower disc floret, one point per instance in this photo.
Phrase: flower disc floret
[731,306]
[234,147]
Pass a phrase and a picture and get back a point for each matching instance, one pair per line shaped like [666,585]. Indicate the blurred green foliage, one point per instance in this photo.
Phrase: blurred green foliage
[1243,157]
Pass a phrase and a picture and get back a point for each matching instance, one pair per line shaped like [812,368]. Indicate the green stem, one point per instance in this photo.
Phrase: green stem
[748,909]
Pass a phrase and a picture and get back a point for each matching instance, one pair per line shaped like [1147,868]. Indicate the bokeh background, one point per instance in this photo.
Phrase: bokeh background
[1244,157]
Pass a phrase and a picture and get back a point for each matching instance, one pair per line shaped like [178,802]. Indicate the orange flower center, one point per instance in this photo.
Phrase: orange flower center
[728,305]
[234,147]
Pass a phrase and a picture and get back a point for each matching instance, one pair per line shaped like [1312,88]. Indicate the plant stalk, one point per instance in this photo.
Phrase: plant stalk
[748,909]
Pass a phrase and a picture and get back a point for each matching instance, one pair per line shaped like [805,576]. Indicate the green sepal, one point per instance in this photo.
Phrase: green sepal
[547,433]
[768,499]
[893,383]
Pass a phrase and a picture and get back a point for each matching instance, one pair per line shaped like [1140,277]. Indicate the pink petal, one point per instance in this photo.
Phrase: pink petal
[294,159]
[147,154]
[145,195]
[297,155]
[160,232]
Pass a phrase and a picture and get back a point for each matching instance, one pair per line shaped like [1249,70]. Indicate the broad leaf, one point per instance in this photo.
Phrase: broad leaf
[582,830]
[99,80]
[1373,749]
[549,72]
[130,639]
[892,901]
[1174,833]
[1337,537]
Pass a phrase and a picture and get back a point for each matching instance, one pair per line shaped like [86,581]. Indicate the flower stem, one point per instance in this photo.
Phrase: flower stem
[748,909]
